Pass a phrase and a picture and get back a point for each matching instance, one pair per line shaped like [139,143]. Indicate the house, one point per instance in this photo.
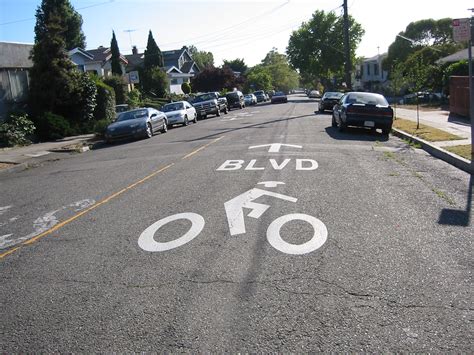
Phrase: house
[97,61]
[178,65]
[370,74]
[14,79]
[455,57]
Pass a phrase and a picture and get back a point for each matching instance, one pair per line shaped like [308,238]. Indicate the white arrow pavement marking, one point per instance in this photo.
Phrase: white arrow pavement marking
[4,209]
[275,147]
[271,183]
[234,208]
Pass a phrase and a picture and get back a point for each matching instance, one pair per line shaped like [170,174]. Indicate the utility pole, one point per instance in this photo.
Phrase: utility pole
[347,51]
[471,85]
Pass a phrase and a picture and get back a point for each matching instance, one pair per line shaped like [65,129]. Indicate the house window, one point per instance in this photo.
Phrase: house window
[174,81]
[368,69]
[376,69]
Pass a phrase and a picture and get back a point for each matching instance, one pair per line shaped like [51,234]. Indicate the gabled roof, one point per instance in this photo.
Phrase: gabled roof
[135,60]
[375,57]
[15,55]
[172,69]
[189,66]
[82,52]
[102,55]
[455,57]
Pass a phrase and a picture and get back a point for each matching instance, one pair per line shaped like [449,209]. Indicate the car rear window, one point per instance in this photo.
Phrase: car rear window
[366,99]
[131,115]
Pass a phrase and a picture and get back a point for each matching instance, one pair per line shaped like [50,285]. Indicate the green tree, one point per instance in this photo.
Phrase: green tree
[416,77]
[397,81]
[259,78]
[154,82]
[153,56]
[70,21]
[237,65]
[116,67]
[55,85]
[317,47]
[203,59]
[215,79]
[283,77]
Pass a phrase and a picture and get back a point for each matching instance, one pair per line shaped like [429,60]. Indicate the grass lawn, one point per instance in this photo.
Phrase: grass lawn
[424,132]
[461,150]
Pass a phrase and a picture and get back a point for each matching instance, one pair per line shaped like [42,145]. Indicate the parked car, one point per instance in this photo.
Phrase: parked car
[250,99]
[329,99]
[138,123]
[363,109]
[261,96]
[279,97]
[180,112]
[210,103]
[314,94]
[235,99]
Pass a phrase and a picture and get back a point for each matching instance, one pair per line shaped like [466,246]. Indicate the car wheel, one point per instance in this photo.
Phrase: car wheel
[186,122]
[195,118]
[165,127]
[333,122]
[226,110]
[386,131]
[149,130]
[341,126]
[218,113]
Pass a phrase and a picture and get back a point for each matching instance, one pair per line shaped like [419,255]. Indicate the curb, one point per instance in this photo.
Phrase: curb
[437,152]
[15,169]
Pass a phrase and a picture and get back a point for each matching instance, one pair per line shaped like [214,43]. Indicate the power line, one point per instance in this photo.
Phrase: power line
[33,18]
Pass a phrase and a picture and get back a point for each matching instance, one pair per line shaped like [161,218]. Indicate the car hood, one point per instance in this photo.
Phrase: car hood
[127,123]
[175,113]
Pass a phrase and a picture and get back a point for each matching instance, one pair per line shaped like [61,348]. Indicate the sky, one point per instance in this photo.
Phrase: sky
[229,29]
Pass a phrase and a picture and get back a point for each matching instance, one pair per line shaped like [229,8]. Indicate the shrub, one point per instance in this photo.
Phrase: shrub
[154,81]
[134,98]
[186,87]
[119,86]
[16,129]
[105,109]
[56,126]
[100,126]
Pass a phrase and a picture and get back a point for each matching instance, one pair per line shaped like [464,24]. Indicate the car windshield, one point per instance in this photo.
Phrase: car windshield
[366,99]
[259,93]
[333,95]
[175,106]
[204,97]
[279,93]
[131,115]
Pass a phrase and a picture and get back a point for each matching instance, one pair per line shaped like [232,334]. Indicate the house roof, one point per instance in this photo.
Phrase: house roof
[135,60]
[15,55]
[375,57]
[455,57]
[100,54]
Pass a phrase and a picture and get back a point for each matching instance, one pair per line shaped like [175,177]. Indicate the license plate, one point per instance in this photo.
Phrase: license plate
[369,124]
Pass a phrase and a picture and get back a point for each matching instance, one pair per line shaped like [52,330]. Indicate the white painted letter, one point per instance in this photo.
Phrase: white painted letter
[251,165]
[231,165]
[281,166]
[313,164]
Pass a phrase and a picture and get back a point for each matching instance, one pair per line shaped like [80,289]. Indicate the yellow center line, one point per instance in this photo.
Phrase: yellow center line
[201,148]
[100,203]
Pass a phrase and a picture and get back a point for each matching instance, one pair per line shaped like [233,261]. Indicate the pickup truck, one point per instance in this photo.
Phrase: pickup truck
[210,103]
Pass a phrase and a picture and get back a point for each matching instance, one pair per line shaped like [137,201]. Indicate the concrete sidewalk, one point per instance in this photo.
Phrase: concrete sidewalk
[442,120]
[19,158]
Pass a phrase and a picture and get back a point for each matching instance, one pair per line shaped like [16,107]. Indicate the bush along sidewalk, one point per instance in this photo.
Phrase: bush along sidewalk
[16,130]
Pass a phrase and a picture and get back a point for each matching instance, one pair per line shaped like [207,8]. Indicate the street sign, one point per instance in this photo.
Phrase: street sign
[461,29]
[133,77]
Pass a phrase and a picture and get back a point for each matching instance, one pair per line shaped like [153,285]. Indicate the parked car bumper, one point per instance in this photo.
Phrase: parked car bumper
[136,133]
[369,121]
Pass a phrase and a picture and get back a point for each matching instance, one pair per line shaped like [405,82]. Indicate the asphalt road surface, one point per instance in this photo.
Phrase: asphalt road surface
[261,230]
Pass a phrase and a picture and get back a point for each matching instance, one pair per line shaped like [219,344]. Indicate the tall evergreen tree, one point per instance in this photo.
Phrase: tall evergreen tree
[116,67]
[69,20]
[153,55]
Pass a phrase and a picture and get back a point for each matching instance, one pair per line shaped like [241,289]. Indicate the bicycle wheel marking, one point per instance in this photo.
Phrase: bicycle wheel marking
[147,242]
[319,237]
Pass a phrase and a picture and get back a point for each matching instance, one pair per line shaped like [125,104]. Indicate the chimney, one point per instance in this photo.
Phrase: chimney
[134,50]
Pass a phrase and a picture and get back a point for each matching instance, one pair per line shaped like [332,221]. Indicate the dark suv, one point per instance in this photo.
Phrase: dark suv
[235,99]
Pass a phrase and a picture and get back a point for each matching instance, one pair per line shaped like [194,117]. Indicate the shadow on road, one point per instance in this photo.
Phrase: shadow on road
[356,134]
[460,218]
